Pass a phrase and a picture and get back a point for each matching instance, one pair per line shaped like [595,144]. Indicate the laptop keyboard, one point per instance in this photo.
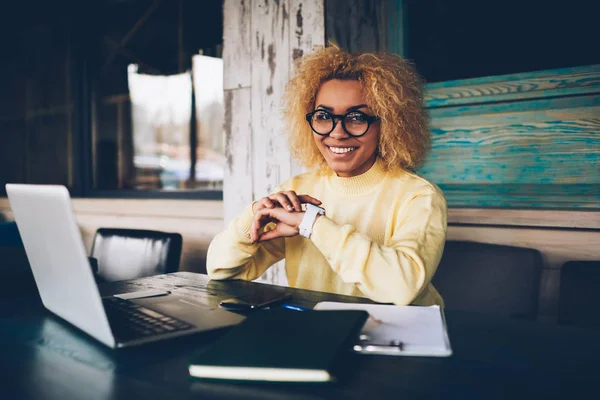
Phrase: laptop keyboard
[130,321]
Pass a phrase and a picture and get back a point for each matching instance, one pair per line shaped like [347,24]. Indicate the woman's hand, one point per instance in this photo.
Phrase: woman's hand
[286,223]
[282,208]
[288,200]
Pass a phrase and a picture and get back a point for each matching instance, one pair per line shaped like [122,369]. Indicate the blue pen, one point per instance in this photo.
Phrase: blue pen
[294,307]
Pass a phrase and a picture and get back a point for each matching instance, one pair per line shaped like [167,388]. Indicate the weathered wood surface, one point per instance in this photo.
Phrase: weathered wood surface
[578,219]
[270,72]
[543,84]
[518,196]
[237,75]
[236,43]
[307,20]
[259,56]
[237,180]
[358,25]
[532,153]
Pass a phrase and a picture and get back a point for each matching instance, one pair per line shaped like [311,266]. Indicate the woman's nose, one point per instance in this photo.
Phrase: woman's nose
[338,131]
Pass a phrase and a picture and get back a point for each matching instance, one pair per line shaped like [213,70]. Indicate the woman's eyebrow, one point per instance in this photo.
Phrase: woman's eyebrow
[353,108]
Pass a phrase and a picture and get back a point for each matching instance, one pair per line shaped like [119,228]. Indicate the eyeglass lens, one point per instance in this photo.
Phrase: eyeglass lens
[355,123]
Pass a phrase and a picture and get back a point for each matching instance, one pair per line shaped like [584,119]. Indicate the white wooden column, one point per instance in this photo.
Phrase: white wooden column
[237,73]
[260,41]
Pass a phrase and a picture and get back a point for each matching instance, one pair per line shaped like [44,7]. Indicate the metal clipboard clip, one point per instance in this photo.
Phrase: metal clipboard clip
[365,345]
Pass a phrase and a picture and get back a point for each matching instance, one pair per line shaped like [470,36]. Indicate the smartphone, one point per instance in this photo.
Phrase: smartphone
[254,301]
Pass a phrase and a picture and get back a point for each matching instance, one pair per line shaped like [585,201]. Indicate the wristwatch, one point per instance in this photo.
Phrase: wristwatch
[308,220]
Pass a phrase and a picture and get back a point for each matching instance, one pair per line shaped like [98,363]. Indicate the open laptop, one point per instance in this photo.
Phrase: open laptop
[65,280]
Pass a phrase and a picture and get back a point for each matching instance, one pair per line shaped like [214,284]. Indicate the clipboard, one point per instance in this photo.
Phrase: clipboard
[399,330]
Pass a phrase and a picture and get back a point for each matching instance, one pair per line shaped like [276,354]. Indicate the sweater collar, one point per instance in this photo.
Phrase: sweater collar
[361,183]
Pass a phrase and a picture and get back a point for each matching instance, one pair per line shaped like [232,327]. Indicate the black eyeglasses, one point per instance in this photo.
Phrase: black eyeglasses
[355,123]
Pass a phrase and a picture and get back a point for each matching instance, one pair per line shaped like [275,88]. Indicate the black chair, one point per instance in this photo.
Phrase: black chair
[578,296]
[490,278]
[133,253]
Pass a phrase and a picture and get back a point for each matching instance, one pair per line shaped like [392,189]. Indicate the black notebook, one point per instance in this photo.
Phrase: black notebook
[281,346]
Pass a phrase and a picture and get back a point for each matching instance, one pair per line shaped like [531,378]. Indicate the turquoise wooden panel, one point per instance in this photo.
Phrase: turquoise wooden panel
[521,141]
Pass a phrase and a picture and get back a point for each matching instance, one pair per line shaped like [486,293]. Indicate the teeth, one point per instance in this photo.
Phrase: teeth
[342,150]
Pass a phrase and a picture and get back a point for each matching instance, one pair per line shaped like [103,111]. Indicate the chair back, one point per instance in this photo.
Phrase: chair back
[578,295]
[490,278]
[134,253]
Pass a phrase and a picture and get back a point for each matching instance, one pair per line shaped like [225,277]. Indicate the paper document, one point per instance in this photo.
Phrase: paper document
[399,330]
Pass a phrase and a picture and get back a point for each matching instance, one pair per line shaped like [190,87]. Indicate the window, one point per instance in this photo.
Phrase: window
[127,104]
[157,97]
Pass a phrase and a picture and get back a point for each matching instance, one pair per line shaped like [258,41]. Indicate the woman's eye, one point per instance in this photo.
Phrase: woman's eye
[322,116]
[356,117]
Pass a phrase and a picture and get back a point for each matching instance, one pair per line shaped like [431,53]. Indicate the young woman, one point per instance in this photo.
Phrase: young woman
[370,227]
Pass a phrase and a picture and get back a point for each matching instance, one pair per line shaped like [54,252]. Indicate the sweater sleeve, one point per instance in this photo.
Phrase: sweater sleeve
[231,254]
[399,270]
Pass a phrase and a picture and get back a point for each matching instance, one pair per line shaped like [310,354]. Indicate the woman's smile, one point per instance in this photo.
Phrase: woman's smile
[341,151]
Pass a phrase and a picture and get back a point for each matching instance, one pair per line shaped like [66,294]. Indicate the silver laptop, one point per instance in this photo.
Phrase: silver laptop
[67,287]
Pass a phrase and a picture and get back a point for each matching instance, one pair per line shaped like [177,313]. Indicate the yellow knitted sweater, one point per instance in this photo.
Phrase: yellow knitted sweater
[382,237]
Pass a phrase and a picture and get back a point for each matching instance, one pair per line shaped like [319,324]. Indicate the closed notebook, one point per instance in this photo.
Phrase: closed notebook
[281,346]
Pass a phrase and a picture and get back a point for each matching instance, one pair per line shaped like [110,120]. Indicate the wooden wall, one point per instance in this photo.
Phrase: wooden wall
[260,42]
[528,140]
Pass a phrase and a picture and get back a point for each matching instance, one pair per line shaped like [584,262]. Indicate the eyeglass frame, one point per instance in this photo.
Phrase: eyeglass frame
[370,120]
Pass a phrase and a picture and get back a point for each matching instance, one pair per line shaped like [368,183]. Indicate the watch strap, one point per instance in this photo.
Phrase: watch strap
[310,215]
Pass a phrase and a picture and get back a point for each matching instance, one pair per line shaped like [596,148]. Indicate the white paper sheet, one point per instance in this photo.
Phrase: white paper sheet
[420,330]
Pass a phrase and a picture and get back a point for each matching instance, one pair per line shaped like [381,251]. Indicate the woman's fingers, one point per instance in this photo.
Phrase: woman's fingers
[261,218]
[285,224]
[272,234]
[265,202]
[254,228]
[299,199]
[291,201]
[269,203]
[295,200]
[288,200]
[284,200]
[305,198]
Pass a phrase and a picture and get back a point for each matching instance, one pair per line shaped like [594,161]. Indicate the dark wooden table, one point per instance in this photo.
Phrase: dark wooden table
[42,357]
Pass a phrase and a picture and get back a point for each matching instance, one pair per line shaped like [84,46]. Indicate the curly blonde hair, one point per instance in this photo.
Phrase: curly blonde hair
[393,91]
